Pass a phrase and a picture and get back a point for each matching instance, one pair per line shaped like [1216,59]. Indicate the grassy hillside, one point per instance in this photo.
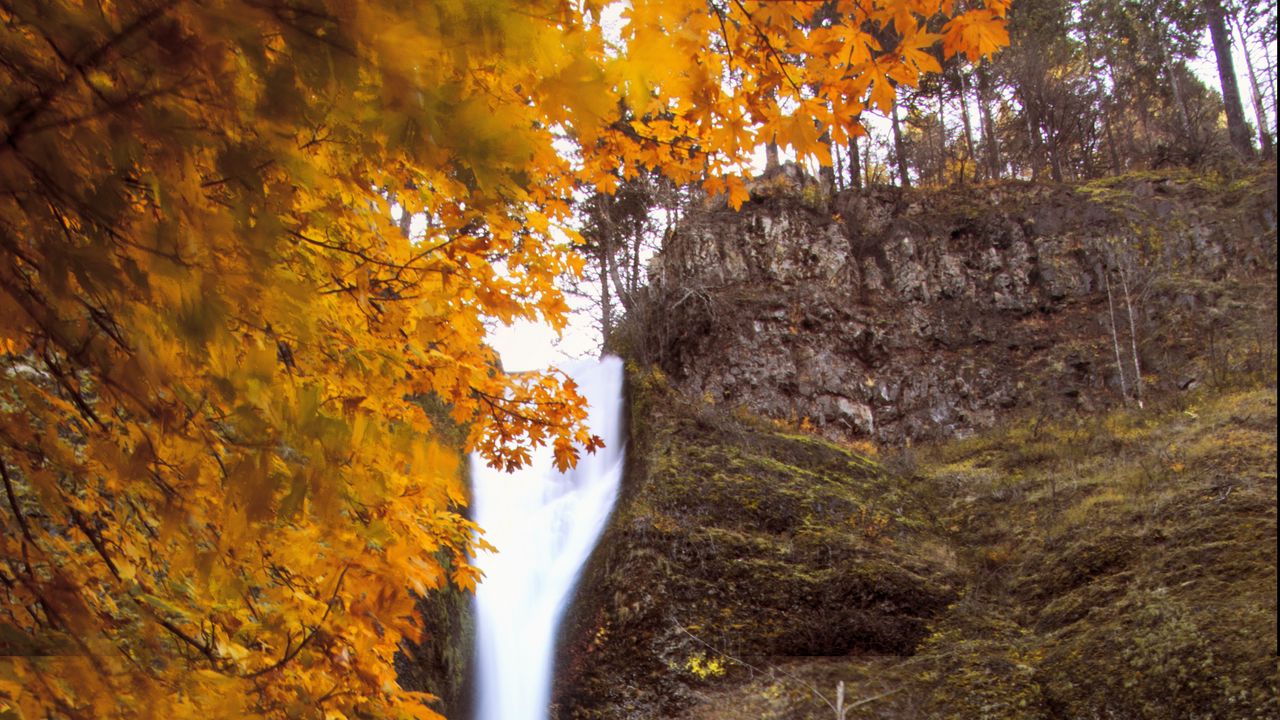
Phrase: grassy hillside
[1115,566]
[1118,565]
[731,533]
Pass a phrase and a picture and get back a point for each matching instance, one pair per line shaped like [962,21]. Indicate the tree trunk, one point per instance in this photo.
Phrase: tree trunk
[620,290]
[1054,153]
[1237,130]
[827,173]
[942,141]
[988,123]
[1264,137]
[1031,113]
[406,221]
[1107,105]
[968,128]
[898,150]
[1175,82]
[606,306]
[855,167]
[633,282]
[866,162]
[838,167]
[771,156]
[1111,139]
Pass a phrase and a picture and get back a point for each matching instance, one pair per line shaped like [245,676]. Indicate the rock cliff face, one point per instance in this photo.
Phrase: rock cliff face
[1076,560]
[905,315]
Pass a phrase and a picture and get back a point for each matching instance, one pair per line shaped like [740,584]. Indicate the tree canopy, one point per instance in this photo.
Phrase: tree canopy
[220,482]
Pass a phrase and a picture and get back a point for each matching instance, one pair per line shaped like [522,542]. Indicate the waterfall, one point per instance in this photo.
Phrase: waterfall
[544,524]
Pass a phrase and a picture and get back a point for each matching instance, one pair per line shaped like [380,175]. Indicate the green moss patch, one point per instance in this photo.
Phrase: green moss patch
[1120,565]
[737,538]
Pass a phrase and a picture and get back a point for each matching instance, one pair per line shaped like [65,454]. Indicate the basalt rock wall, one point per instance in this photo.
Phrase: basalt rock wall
[903,315]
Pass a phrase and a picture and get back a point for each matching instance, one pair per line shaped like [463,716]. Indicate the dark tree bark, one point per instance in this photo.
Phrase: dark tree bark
[827,173]
[868,170]
[968,129]
[855,165]
[1237,129]
[606,304]
[988,123]
[1031,113]
[942,140]
[899,151]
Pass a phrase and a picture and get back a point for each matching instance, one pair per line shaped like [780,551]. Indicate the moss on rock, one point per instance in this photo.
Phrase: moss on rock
[1110,566]
[738,538]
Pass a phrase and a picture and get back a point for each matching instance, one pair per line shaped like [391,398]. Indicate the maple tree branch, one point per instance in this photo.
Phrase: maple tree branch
[60,375]
[109,107]
[13,503]
[29,580]
[178,632]
[355,252]
[96,539]
[768,44]
[724,33]
[38,103]
[502,405]
[628,130]
[290,655]
[280,13]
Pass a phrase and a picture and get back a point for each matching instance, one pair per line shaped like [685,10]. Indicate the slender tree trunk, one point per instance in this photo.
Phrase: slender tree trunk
[1111,139]
[866,162]
[899,150]
[827,173]
[1264,136]
[1144,123]
[620,290]
[1133,338]
[855,166]
[1105,101]
[942,141]
[1115,337]
[633,282]
[1175,83]
[406,221]
[1054,153]
[838,166]
[1031,113]
[1236,127]
[771,161]
[968,128]
[606,304]
[988,123]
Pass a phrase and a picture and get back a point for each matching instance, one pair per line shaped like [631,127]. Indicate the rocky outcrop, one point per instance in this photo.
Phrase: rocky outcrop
[906,315]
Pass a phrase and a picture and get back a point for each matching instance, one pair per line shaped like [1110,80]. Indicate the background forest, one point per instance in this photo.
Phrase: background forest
[1086,89]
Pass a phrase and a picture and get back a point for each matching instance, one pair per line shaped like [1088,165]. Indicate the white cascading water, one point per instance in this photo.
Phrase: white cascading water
[544,524]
